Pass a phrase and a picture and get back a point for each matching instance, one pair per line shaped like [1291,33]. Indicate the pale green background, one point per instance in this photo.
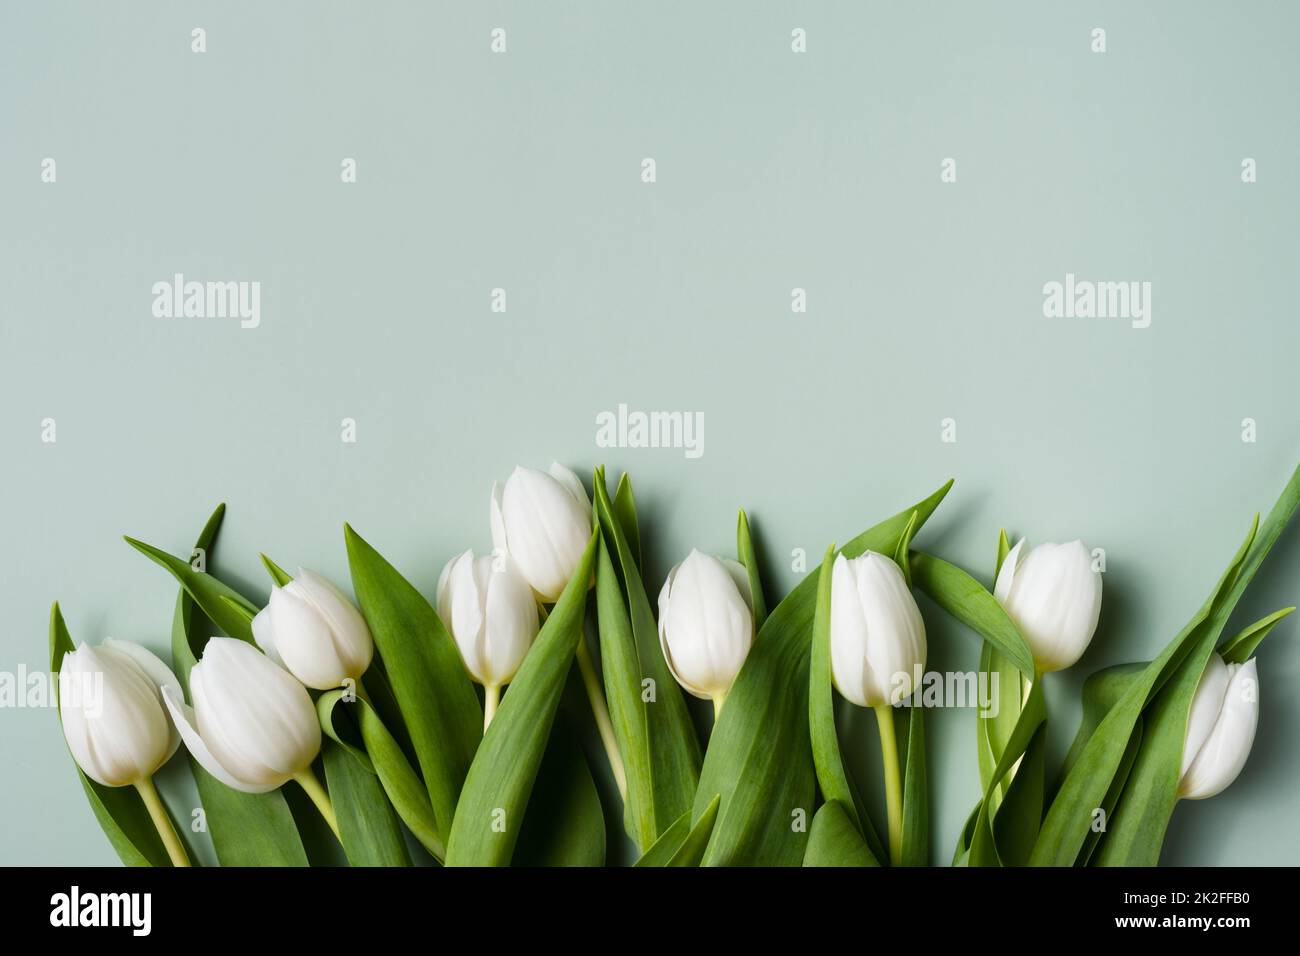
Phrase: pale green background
[775,170]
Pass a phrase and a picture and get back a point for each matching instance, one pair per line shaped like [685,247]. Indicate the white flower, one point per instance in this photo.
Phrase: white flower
[1220,728]
[315,632]
[1054,597]
[491,613]
[543,521]
[877,634]
[706,624]
[252,726]
[111,706]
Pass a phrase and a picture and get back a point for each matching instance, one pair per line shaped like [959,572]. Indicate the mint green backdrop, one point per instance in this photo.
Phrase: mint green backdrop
[775,170]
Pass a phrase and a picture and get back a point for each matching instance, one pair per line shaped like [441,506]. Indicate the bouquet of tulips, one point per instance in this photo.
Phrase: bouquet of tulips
[370,708]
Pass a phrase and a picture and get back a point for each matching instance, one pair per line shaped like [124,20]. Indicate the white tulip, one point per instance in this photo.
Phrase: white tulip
[315,632]
[253,725]
[1053,595]
[706,624]
[491,613]
[543,521]
[1220,728]
[113,713]
[877,633]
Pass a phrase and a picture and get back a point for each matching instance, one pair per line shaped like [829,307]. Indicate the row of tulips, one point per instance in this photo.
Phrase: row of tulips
[259,699]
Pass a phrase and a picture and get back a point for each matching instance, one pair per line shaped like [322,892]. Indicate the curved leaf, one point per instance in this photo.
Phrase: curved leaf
[565,823]
[834,840]
[746,555]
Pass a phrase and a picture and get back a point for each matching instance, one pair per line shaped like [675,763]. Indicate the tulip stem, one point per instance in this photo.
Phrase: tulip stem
[491,695]
[162,823]
[599,710]
[893,782]
[307,780]
[718,701]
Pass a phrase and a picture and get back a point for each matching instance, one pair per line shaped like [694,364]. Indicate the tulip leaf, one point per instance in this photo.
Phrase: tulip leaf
[437,701]
[279,575]
[832,776]
[565,823]
[1006,685]
[1101,691]
[1017,819]
[120,811]
[1108,805]
[967,600]
[916,797]
[1155,778]
[492,807]
[380,755]
[224,606]
[983,849]
[368,825]
[760,757]
[1004,548]
[900,554]
[1237,650]
[834,840]
[691,851]
[662,850]
[656,738]
[247,829]
[625,512]
[746,555]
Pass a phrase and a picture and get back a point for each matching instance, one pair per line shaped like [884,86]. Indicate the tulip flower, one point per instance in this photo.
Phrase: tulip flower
[312,630]
[253,725]
[1220,728]
[877,644]
[706,624]
[543,521]
[492,615]
[1053,595]
[116,723]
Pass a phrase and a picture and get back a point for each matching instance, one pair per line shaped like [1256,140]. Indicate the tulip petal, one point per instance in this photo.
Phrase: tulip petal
[1224,755]
[156,671]
[1006,573]
[264,631]
[498,522]
[571,483]
[183,719]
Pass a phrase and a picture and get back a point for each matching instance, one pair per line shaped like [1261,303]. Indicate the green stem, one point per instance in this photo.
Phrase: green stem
[491,695]
[161,822]
[718,701]
[307,780]
[596,694]
[893,781]
[361,693]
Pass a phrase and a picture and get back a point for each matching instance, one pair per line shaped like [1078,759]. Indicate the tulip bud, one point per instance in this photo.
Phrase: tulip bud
[252,726]
[877,633]
[543,521]
[1220,728]
[314,632]
[491,613]
[706,624]
[113,717]
[1054,597]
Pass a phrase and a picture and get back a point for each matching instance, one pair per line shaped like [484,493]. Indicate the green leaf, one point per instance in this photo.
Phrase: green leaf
[994,730]
[565,823]
[368,827]
[662,850]
[916,798]
[120,811]
[438,703]
[901,552]
[760,757]
[834,840]
[224,606]
[247,829]
[1101,691]
[381,756]
[279,575]
[625,511]
[1151,791]
[683,844]
[828,762]
[492,805]
[983,845]
[967,600]
[661,754]
[745,555]
[1017,819]
[1237,649]
[1113,794]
